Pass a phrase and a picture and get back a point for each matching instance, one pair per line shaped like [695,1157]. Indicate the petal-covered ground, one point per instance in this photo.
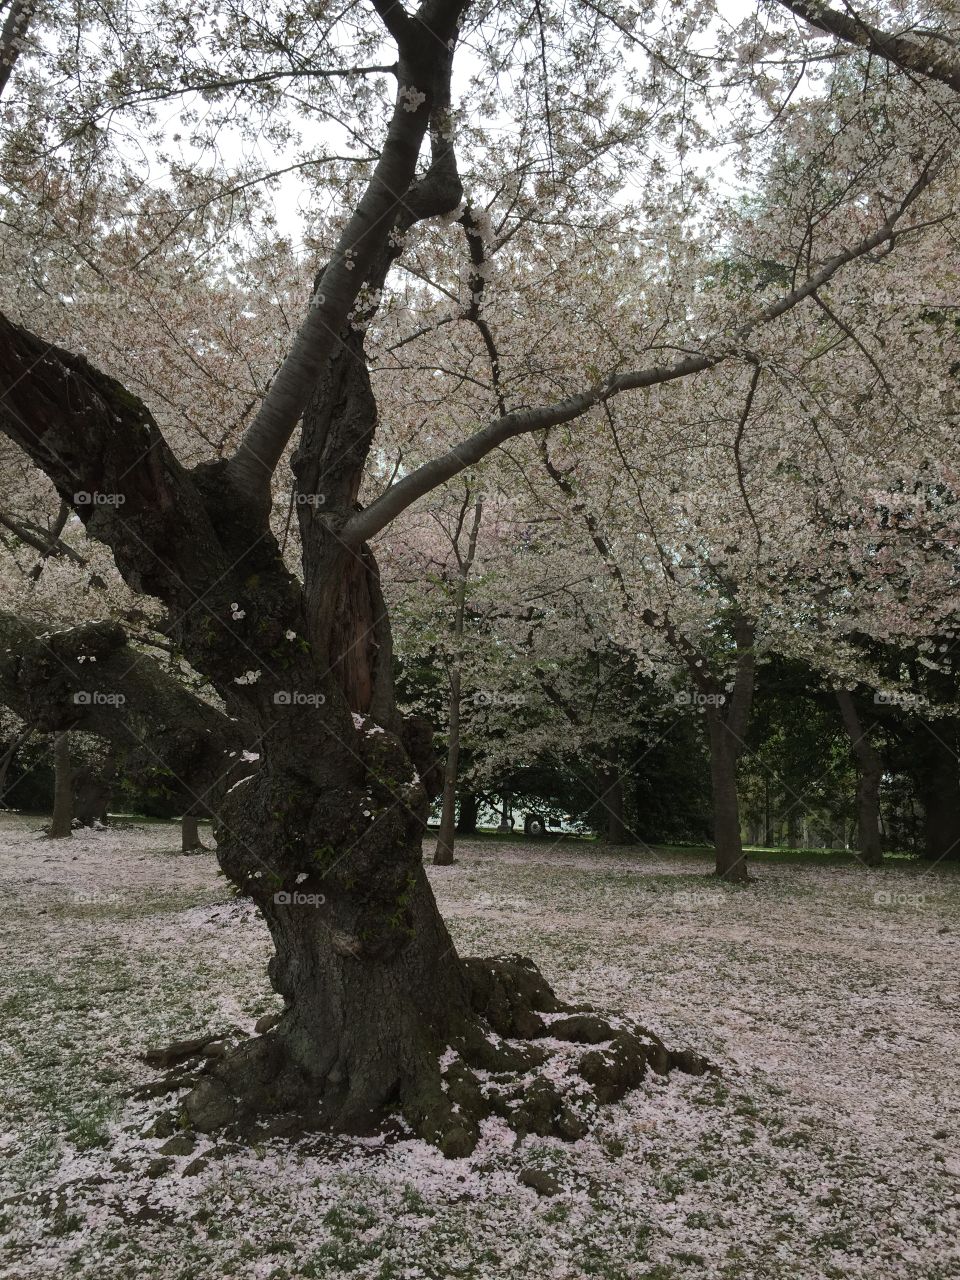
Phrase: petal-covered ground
[828,1146]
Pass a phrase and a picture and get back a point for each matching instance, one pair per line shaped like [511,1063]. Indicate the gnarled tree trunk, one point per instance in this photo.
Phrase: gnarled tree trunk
[327,840]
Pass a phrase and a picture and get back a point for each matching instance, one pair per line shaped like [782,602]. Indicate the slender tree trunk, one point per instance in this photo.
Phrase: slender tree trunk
[7,759]
[793,840]
[868,831]
[443,854]
[731,863]
[726,729]
[612,803]
[869,777]
[505,822]
[190,841]
[62,822]
[469,811]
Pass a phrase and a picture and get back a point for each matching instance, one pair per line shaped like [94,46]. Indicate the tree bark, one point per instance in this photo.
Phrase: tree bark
[16,24]
[916,51]
[62,822]
[506,819]
[425,44]
[869,777]
[793,836]
[941,821]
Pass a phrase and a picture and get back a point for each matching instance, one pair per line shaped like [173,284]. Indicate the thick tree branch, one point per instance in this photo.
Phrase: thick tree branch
[47,543]
[89,678]
[425,45]
[738,441]
[863,749]
[12,35]
[107,459]
[921,53]
[55,545]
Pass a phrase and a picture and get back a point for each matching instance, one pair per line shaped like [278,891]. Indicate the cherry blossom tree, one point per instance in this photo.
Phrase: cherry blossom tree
[380,1011]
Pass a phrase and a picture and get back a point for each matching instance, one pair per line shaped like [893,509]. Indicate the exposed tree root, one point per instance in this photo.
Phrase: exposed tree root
[518,1055]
